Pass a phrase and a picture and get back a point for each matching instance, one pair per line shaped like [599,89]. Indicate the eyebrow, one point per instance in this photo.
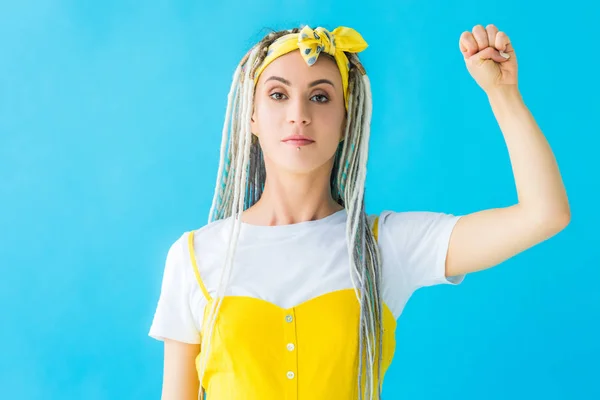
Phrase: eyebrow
[286,82]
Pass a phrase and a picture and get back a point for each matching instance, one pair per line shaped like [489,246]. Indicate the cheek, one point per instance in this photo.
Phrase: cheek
[268,124]
[335,121]
[266,116]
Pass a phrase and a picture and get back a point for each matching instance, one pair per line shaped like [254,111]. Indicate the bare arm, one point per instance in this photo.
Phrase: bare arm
[487,238]
[180,381]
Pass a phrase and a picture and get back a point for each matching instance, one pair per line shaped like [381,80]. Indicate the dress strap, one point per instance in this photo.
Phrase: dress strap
[195,265]
[376,228]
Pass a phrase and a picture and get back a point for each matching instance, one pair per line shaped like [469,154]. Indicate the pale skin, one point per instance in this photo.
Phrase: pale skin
[290,98]
[297,187]
[489,237]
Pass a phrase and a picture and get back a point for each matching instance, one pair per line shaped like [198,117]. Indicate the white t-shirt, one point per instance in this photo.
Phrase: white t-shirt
[289,264]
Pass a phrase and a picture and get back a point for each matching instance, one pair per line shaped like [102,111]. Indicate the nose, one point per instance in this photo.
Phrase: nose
[298,112]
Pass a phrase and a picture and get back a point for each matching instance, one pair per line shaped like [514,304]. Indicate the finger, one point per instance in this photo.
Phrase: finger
[480,36]
[488,54]
[492,33]
[503,43]
[468,44]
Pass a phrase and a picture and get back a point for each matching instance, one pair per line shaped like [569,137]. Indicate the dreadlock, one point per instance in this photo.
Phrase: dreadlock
[240,183]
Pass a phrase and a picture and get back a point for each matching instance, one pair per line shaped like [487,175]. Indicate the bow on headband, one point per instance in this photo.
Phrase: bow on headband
[311,43]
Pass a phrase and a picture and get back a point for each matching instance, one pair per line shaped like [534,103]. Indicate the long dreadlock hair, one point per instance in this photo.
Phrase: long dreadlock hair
[240,182]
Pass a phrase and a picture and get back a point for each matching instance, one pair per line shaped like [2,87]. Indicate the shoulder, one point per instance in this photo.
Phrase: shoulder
[412,216]
[415,223]
[206,236]
[413,246]
[413,235]
[416,243]
[211,235]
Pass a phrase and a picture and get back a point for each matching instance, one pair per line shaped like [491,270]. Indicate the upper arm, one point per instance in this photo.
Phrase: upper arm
[180,381]
[180,304]
[176,320]
[414,245]
[486,238]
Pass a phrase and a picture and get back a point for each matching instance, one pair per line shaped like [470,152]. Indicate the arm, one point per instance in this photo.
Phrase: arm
[175,323]
[487,238]
[180,381]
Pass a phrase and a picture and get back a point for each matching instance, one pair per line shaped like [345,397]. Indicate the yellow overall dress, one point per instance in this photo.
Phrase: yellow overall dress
[308,352]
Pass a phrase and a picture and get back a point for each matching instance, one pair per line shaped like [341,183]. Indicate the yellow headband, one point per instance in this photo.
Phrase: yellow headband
[312,43]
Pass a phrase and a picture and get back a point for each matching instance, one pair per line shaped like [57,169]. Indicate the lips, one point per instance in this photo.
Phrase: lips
[299,142]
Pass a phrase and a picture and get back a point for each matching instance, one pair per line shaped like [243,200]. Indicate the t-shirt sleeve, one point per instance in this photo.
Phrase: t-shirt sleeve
[415,246]
[173,318]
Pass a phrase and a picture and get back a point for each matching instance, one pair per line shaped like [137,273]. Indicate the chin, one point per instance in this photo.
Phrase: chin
[306,160]
[297,162]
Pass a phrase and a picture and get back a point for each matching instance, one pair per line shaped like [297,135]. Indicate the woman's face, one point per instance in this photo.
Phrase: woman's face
[292,98]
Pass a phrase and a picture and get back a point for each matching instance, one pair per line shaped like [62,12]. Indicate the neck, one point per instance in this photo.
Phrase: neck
[290,198]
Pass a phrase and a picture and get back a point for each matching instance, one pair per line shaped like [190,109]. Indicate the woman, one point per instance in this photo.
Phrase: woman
[292,291]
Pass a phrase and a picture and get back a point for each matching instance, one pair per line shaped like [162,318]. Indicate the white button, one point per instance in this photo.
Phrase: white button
[288,318]
[290,375]
[290,346]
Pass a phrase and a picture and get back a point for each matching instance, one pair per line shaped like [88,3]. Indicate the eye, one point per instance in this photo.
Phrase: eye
[322,98]
[276,94]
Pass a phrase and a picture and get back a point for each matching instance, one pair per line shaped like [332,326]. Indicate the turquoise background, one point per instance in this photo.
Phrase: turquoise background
[110,123]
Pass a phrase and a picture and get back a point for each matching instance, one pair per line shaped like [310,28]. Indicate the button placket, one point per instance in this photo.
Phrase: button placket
[289,373]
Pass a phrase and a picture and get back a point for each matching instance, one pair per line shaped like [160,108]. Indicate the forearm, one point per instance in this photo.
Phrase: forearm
[540,188]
